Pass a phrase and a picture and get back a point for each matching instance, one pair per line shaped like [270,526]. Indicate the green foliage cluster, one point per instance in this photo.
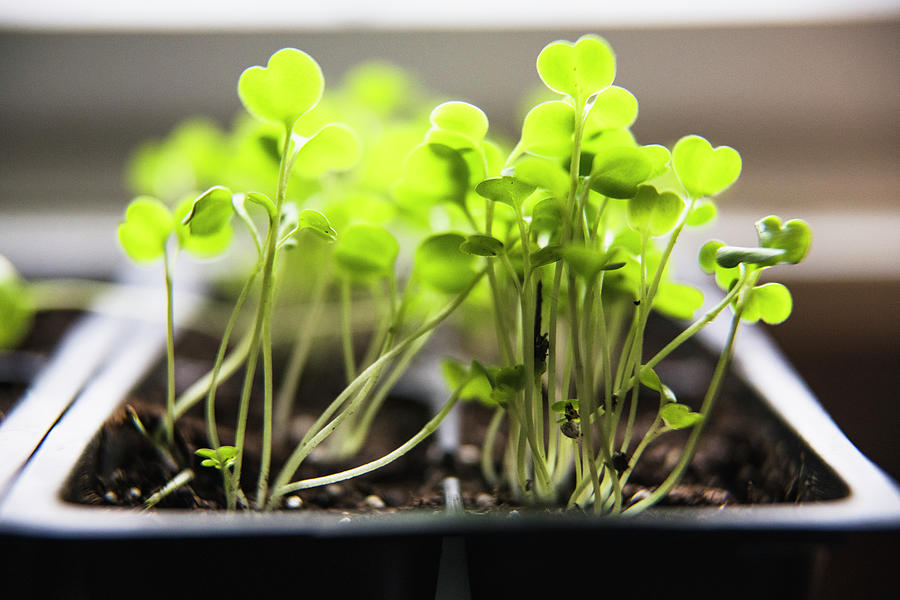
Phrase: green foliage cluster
[361,203]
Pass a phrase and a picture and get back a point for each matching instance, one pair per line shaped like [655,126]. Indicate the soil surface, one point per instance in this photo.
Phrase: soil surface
[745,457]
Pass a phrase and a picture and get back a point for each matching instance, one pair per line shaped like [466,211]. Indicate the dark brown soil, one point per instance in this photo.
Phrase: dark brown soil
[743,458]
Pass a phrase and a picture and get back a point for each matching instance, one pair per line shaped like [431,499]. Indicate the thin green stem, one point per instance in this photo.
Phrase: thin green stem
[170,353]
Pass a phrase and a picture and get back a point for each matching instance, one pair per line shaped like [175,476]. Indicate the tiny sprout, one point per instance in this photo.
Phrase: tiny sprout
[221,458]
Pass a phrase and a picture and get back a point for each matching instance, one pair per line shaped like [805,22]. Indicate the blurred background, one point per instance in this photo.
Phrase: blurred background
[807,91]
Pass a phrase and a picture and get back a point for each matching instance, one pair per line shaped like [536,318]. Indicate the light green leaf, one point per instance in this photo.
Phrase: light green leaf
[770,302]
[210,211]
[148,224]
[482,245]
[16,306]
[679,416]
[677,300]
[435,173]
[289,85]
[705,171]
[543,173]
[547,215]
[366,251]
[201,246]
[654,212]
[441,265]
[506,189]
[588,262]
[613,108]
[461,118]
[548,129]
[703,212]
[335,147]
[793,237]
[317,223]
[580,69]
[618,172]
[545,256]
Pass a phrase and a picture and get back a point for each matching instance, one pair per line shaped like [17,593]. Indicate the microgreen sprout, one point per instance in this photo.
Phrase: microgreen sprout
[565,243]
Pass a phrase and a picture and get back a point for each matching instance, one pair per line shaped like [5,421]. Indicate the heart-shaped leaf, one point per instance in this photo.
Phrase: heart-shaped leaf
[215,240]
[435,173]
[654,212]
[335,147]
[441,265]
[461,118]
[548,129]
[506,189]
[148,224]
[703,212]
[482,245]
[366,251]
[289,85]
[770,302]
[619,172]
[613,108]
[677,300]
[210,211]
[679,416]
[793,237]
[580,69]
[703,170]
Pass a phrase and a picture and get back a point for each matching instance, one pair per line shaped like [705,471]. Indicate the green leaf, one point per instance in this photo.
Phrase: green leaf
[210,211]
[147,226]
[462,118]
[543,173]
[654,212]
[317,223]
[703,212]
[289,85]
[578,69]
[545,256]
[441,265]
[588,262]
[732,256]
[435,173]
[202,246]
[548,129]
[705,171]
[650,379]
[793,237]
[770,302]
[478,386]
[613,108]
[16,306]
[366,251]
[261,199]
[677,300]
[679,416]
[335,147]
[618,172]
[482,245]
[725,276]
[659,157]
[547,215]
[506,189]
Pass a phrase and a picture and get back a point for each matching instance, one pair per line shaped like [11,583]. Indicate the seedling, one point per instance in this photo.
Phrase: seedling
[563,241]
